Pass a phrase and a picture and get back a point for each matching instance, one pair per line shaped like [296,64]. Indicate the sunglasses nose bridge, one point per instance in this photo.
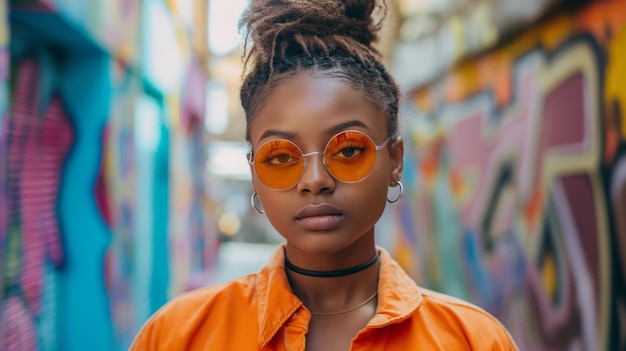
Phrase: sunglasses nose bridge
[313,153]
[319,167]
[306,156]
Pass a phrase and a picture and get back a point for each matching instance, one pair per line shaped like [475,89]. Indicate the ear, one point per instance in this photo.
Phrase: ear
[396,151]
[252,180]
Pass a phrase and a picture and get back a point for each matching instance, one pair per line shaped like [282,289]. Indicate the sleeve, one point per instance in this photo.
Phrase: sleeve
[149,336]
[488,333]
[504,341]
[481,330]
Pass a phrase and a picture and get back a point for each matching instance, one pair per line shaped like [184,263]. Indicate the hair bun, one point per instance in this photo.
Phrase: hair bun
[278,26]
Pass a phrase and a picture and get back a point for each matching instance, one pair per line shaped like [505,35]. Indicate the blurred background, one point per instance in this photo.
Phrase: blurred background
[123,180]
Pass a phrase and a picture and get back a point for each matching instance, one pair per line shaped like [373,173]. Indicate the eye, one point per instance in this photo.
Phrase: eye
[348,151]
[278,153]
[280,159]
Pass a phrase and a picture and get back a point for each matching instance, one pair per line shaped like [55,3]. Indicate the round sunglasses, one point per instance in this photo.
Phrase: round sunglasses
[349,156]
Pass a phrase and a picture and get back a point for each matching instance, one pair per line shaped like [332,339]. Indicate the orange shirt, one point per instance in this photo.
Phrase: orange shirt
[260,312]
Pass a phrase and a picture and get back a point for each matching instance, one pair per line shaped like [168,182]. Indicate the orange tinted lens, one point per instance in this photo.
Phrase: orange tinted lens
[279,164]
[350,156]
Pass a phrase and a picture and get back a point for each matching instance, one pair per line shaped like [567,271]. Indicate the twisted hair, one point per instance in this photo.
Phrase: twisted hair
[331,38]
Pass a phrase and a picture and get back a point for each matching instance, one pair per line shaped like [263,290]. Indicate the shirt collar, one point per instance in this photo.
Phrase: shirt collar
[398,295]
[276,300]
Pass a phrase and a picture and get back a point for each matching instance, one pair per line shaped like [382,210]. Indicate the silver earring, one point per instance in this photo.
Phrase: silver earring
[393,201]
[253,202]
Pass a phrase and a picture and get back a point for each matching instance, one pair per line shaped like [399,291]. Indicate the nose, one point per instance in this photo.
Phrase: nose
[315,177]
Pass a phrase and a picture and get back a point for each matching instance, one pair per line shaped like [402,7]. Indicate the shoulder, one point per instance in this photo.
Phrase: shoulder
[221,294]
[481,329]
[425,319]
[439,302]
[198,309]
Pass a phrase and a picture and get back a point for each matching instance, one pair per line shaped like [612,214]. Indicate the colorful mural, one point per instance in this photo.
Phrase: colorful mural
[52,222]
[39,137]
[84,248]
[516,170]
[4,130]
[193,231]
[158,249]
[117,203]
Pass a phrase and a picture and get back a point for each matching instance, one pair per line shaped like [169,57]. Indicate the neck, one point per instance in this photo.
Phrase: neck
[334,273]
[335,293]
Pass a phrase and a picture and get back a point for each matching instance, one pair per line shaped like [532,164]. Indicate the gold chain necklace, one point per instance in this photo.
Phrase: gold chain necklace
[349,309]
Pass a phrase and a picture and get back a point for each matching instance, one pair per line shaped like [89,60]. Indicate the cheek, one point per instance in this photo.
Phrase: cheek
[379,188]
[377,197]
[371,195]
[274,203]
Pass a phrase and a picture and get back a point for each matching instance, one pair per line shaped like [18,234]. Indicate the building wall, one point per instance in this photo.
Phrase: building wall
[516,180]
[85,179]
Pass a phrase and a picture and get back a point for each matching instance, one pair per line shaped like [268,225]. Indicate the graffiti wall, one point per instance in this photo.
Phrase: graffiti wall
[48,163]
[39,137]
[193,232]
[516,170]
[84,177]
[116,195]
[4,126]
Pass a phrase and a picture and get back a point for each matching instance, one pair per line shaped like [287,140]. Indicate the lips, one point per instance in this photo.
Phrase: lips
[319,217]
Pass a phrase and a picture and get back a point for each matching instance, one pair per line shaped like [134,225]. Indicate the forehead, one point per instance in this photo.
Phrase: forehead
[308,106]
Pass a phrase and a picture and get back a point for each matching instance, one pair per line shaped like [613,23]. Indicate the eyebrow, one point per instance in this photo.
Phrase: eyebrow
[278,133]
[333,130]
[341,126]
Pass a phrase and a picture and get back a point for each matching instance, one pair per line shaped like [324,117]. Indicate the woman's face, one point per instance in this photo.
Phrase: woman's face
[321,214]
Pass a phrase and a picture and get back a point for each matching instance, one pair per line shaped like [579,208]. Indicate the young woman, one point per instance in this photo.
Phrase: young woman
[325,158]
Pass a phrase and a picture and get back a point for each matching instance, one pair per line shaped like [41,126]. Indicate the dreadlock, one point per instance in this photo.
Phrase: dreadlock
[331,38]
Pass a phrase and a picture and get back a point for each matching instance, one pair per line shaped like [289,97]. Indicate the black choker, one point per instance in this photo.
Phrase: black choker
[331,274]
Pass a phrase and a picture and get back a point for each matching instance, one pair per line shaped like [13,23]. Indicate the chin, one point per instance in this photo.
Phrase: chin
[326,242]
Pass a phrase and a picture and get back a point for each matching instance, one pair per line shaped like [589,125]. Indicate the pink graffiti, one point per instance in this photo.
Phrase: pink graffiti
[18,330]
[37,150]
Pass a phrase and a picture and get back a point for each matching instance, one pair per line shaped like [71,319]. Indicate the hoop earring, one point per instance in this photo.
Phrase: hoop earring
[253,202]
[393,201]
